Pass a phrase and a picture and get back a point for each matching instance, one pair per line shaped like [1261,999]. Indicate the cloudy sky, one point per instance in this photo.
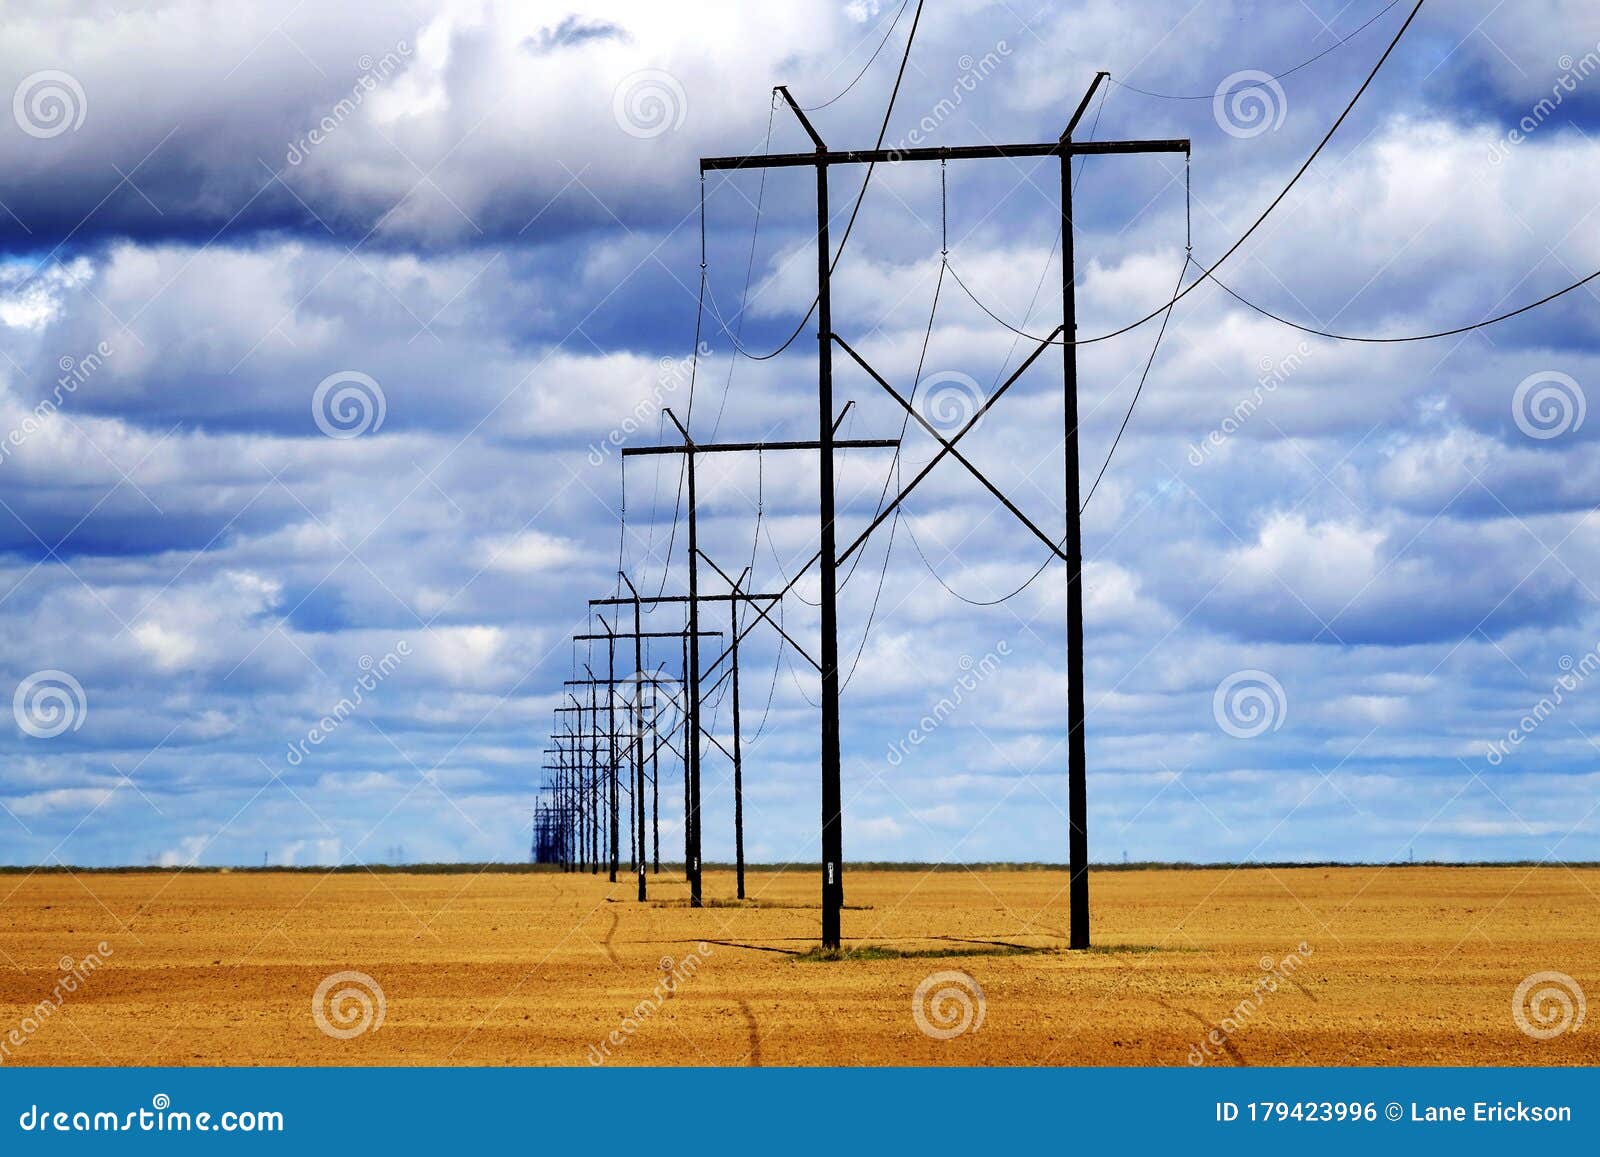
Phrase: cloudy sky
[321,331]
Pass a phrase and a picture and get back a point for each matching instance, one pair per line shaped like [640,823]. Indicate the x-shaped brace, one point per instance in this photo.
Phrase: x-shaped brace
[948,446]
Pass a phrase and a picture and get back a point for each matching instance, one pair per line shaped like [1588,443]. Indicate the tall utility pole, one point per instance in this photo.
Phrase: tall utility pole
[822,159]
[655,783]
[1077,758]
[738,749]
[737,753]
[611,730]
[832,794]
[610,734]
[683,710]
[581,780]
[638,735]
[561,809]
[595,791]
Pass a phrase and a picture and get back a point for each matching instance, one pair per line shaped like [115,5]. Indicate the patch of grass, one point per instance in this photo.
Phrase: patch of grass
[724,902]
[884,952]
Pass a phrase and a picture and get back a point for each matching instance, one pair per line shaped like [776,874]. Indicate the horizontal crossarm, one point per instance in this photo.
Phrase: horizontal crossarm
[746,447]
[950,153]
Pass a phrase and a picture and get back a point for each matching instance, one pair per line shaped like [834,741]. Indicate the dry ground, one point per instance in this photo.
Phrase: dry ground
[1406,965]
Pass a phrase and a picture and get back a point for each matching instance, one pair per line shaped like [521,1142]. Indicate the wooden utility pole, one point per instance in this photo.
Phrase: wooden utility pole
[738,745]
[635,703]
[1077,758]
[737,754]
[638,736]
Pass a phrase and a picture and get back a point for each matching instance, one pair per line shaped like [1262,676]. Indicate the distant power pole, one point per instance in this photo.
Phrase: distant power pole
[690,449]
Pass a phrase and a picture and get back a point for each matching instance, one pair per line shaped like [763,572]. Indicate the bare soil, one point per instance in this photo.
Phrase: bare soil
[1257,966]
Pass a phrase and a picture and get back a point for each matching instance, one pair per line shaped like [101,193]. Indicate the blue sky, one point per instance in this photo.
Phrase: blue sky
[494,228]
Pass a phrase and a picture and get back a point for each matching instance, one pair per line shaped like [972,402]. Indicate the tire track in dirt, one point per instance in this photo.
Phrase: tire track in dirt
[1311,996]
[1227,1042]
[754,1055]
[610,932]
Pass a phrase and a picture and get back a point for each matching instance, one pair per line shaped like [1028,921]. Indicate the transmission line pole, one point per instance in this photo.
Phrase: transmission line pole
[1077,758]
[691,450]
[738,749]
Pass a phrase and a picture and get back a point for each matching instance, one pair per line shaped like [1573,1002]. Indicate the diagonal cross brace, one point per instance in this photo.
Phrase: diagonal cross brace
[905,493]
[947,448]
[762,611]
[950,447]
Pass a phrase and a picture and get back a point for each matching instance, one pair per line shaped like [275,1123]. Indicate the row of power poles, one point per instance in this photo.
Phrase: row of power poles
[587,779]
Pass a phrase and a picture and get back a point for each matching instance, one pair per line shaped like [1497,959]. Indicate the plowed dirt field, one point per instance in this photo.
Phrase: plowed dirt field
[1257,966]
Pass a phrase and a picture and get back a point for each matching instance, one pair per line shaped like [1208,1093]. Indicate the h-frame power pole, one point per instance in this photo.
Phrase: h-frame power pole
[822,158]
[691,449]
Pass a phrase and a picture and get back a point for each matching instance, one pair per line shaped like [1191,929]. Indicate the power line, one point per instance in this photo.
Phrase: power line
[883,131]
[957,594]
[749,267]
[1188,257]
[1545,300]
[1205,273]
[1143,377]
[864,67]
[1276,201]
[1268,80]
[905,424]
